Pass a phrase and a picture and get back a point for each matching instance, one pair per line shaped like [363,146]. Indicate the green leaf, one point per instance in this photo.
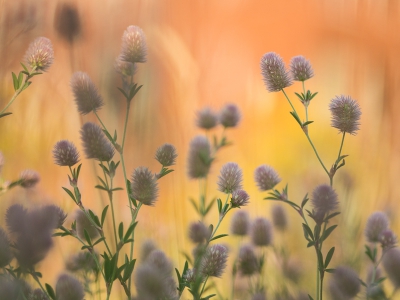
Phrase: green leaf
[94,217]
[123,93]
[208,297]
[99,241]
[320,260]
[20,79]
[219,202]
[310,298]
[329,257]
[307,232]
[305,200]
[78,171]
[317,231]
[15,81]
[103,215]
[25,68]
[117,189]
[26,85]
[331,216]
[310,244]
[121,230]
[100,187]
[218,236]
[129,231]
[50,291]
[87,237]
[69,193]
[194,205]
[128,270]
[5,114]
[307,123]
[327,232]
[330,270]
[296,117]
[115,136]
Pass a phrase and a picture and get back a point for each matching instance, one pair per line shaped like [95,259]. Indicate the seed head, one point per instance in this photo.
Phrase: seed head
[206,118]
[230,178]
[376,224]
[67,22]
[274,72]
[346,114]
[391,264]
[134,48]
[324,199]
[82,224]
[199,159]
[214,260]
[86,95]
[266,178]
[65,153]
[239,198]
[229,116]
[261,232]
[166,155]
[95,143]
[5,250]
[198,232]
[345,282]
[144,186]
[29,178]
[301,68]
[279,217]
[69,288]
[248,262]
[240,223]
[40,54]
[124,68]
[387,239]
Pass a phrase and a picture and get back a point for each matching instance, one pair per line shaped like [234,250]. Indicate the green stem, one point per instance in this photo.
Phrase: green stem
[220,219]
[341,144]
[38,281]
[290,102]
[204,285]
[316,153]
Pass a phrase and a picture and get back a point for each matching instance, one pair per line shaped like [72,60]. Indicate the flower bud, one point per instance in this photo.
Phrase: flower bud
[83,223]
[198,232]
[301,68]
[376,224]
[29,178]
[239,198]
[248,262]
[229,116]
[266,178]
[279,217]
[69,288]
[65,153]
[391,264]
[134,48]
[214,261]
[230,178]
[206,118]
[87,97]
[240,223]
[5,250]
[346,114]
[95,143]
[261,232]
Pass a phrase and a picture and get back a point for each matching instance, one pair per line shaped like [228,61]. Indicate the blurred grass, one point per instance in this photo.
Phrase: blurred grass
[207,53]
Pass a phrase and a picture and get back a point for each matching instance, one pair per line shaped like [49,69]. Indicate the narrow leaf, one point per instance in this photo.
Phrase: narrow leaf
[103,215]
[329,257]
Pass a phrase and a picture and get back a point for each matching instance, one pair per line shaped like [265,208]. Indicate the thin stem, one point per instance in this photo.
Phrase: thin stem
[341,144]
[316,153]
[290,102]
[204,285]
[38,281]
[220,219]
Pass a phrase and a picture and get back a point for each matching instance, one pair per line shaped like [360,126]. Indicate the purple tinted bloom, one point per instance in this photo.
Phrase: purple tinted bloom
[198,232]
[69,288]
[346,114]
[134,48]
[87,97]
[83,223]
[274,72]
[214,261]
[324,199]
[5,250]
[166,155]
[387,239]
[67,21]
[248,262]
[376,224]
[240,223]
[65,153]
[261,232]
[199,159]
[266,177]
[230,178]
[95,143]
[345,282]
[29,178]
[206,118]
[239,198]
[40,54]
[391,264]
[124,68]
[279,217]
[229,116]
[144,186]
[301,68]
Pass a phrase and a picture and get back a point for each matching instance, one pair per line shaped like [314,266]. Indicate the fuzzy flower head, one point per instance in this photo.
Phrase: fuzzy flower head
[87,96]
[69,288]
[29,178]
[239,198]
[144,186]
[266,178]
[248,262]
[40,54]
[274,73]
[346,114]
[279,217]
[206,118]
[124,68]
[387,239]
[5,250]
[376,224]
[301,68]
[134,48]
[391,264]
[68,24]
[95,143]
[240,223]
[198,232]
[230,178]
[345,283]
[229,116]
[324,199]
[214,261]
[199,159]
[166,155]
[65,153]
[84,224]
[261,232]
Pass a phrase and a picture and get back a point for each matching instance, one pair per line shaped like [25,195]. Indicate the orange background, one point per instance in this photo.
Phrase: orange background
[207,53]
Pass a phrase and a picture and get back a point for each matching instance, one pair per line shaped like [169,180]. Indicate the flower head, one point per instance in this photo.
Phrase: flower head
[125,68]
[324,199]
[69,288]
[134,48]
[5,250]
[248,262]
[261,232]
[199,159]
[198,232]
[29,178]
[206,118]
[84,224]
[68,24]
[279,217]
[144,186]
[240,223]
[391,264]
[87,96]
[239,198]
[346,114]
[345,283]
[65,153]
[214,260]
[274,73]
[266,177]
[301,68]
[376,224]
[40,54]
[230,178]
[95,143]
[166,155]
[388,239]
[229,116]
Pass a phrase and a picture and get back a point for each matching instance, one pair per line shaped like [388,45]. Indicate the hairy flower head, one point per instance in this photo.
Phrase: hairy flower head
[199,158]
[144,186]
[376,224]
[274,73]
[346,114]
[214,261]
[69,288]
[124,68]
[134,48]
[279,217]
[248,262]
[166,155]
[301,68]
[229,116]
[239,198]
[345,283]
[261,232]
[266,178]
[240,223]
[198,232]
[40,54]
[324,199]
[206,118]
[65,153]
[230,178]
[5,250]
[29,178]
[391,264]
[95,144]
[84,224]
[87,96]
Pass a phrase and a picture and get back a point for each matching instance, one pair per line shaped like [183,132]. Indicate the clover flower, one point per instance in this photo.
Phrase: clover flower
[391,264]
[199,158]
[87,96]
[124,68]
[274,73]
[324,199]
[345,283]
[68,24]
[230,178]
[144,186]
[82,261]
[240,223]
[214,261]
[261,232]
[387,239]
[198,232]
[166,155]
[301,68]
[29,178]
[206,118]
[6,254]
[266,178]
[279,217]
[239,198]
[346,114]
[229,116]
[248,262]
[65,153]
[376,224]
[40,54]
[95,144]
[69,288]
[134,48]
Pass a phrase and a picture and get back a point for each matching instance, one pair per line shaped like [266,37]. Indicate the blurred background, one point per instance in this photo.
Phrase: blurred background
[207,53]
